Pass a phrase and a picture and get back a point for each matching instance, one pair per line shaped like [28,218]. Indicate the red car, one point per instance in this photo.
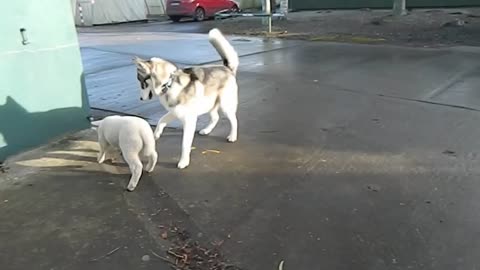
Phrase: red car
[198,9]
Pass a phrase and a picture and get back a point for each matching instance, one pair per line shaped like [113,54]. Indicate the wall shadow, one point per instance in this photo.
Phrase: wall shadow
[22,129]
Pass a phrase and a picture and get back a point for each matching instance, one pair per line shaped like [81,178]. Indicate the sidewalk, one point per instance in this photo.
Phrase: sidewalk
[349,157]
[60,209]
[421,27]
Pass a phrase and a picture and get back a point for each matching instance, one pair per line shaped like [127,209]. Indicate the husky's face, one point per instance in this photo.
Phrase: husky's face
[153,75]
[146,85]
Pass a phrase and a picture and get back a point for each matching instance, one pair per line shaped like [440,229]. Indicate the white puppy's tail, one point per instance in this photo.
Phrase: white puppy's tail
[225,49]
[95,124]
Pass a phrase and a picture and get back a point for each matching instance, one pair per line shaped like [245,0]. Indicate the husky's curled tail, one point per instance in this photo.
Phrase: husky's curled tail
[225,49]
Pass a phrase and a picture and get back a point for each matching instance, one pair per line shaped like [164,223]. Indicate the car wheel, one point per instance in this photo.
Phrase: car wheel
[235,9]
[199,14]
[175,18]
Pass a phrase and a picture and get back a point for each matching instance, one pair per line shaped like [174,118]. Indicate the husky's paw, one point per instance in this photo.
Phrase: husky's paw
[183,163]
[232,138]
[204,131]
[149,170]
[131,187]
[157,135]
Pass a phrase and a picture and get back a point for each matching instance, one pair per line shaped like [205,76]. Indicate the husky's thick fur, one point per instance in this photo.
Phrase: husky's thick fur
[133,136]
[190,92]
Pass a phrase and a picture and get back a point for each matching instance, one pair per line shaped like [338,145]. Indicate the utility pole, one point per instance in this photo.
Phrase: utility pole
[268,10]
[273,5]
[399,7]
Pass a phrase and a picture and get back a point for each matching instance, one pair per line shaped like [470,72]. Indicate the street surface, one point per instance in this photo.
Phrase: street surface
[349,157]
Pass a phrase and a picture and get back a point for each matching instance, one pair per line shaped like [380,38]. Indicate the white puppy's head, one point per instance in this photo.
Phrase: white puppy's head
[153,75]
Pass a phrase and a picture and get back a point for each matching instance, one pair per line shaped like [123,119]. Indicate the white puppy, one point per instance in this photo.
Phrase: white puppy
[131,135]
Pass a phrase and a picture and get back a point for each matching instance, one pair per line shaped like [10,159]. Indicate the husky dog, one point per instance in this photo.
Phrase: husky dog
[189,92]
[134,137]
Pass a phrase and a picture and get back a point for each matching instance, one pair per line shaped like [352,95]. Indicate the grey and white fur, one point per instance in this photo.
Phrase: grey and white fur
[190,92]
[133,137]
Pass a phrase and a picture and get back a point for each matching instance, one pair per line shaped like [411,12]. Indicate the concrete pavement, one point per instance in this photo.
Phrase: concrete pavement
[349,157]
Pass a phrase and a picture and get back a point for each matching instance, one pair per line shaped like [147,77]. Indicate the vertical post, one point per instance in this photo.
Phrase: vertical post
[268,10]
[399,7]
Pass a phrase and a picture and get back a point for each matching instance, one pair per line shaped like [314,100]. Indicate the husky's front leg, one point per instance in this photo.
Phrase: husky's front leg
[189,125]
[162,123]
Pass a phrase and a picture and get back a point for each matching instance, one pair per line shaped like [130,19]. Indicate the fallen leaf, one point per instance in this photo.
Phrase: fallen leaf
[164,235]
[211,151]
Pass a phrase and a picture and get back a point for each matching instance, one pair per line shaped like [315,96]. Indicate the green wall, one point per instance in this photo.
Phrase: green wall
[42,93]
[322,4]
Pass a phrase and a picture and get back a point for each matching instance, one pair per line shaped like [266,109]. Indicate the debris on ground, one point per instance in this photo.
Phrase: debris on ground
[211,151]
[430,28]
[188,254]
[106,255]
[449,153]
[377,21]
[3,168]
[455,23]
[373,188]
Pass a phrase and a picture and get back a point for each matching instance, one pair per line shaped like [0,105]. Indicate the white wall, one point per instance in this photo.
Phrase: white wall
[156,7]
[110,11]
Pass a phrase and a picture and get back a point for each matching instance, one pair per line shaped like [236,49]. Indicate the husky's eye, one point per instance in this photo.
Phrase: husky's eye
[143,81]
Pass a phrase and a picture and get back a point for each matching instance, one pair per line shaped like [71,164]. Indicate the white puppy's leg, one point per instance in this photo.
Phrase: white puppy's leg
[101,156]
[135,165]
[213,122]
[115,156]
[152,161]
[103,149]
[162,123]
[189,125]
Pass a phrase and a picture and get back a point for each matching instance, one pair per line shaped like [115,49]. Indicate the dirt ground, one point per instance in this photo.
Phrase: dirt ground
[422,27]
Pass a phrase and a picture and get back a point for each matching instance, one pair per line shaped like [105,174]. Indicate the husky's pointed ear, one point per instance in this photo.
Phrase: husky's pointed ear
[137,59]
[142,64]
[199,88]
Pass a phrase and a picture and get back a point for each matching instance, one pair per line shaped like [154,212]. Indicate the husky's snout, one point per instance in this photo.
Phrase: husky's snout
[150,96]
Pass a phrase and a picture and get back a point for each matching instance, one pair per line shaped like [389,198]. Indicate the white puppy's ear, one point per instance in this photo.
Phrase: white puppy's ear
[142,64]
